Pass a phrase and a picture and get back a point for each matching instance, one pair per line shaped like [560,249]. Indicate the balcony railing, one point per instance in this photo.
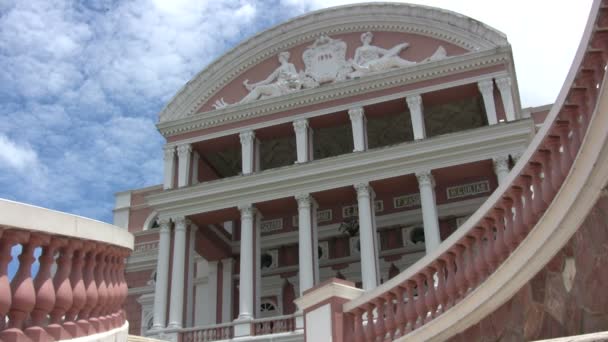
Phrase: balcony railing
[472,254]
[79,287]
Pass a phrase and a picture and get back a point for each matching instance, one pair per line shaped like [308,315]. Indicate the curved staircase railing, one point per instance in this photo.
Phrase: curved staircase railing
[474,253]
[79,287]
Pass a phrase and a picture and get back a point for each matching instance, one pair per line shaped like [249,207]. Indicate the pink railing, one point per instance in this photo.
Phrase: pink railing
[401,306]
[78,290]
[274,325]
[208,333]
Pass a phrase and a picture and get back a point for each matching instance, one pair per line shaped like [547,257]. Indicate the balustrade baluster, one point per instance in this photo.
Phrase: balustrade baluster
[528,206]
[45,293]
[63,291]
[102,292]
[461,272]
[492,235]
[370,331]
[410,310]
[111,303]
[538,202]
[572,115]
[358,328]
[400,321]
[563,128]
[420,301]
[79,294]
[429,299]
[90,290]
[504,236]
[124,289]
[389,321]
[7,240]
[470,269]
[22,287]
[555,165]
[379,327]
[477,246]
[547,180]
[519,228]
[440,290]
[451,288]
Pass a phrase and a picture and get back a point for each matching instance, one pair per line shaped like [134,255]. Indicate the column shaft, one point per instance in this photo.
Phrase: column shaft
[501,168]
[305,247]
[357,120]
[367,238]
[247,263]
[184,157]
[162,277]
[414,103]
[302,144]
[195,161]
[504,86]
[169,167]
[247,151]
[430,216]
[177,274]
[227,290]
[486,87]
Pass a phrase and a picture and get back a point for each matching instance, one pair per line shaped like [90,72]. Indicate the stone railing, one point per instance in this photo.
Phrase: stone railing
[79,288]
[460,266]
[215,332]
[274,325]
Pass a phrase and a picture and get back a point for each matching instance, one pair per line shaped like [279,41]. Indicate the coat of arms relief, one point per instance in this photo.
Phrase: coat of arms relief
[325,62]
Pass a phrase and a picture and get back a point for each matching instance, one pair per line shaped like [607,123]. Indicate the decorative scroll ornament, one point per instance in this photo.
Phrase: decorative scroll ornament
[325,62]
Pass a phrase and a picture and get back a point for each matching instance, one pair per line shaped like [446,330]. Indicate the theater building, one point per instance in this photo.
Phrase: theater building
[346,143]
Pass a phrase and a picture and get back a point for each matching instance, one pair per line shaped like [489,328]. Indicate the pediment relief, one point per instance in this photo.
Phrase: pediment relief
[330,60]
[261,50]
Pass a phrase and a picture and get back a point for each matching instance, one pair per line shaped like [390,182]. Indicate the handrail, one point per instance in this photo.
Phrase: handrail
[86,293]
[444,277]
[276,324]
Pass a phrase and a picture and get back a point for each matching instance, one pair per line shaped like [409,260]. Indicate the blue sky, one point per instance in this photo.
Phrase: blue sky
[82,82]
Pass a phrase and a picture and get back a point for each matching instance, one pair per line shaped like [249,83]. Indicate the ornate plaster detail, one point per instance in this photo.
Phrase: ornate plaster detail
[168,153]
[568,273]
[414,101]
[304,200]
[356,114]
[184,150]
[363,190]
[501,164]
[486,86]
[164,224]
[181,222]
[247,211]
[246,137]
[503,82]
[300,125]
[425,178]
[423,20]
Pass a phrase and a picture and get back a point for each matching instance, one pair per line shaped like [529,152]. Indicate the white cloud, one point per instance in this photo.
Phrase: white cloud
[17,157]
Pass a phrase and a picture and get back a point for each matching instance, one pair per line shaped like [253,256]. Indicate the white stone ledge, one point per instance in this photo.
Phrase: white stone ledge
[115,335]
[25,216]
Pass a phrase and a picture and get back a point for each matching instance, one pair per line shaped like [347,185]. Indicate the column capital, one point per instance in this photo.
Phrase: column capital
[414,101]
[247,211]
[425,178]
[363,190]
[246,137]
[485,86]
[164,223]
[168,152]
[183,150]
[356,114]
[300,125]
[501,163]
[304,200]
[503,82]
[181,222]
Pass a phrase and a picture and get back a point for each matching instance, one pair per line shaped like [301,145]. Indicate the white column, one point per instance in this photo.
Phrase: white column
[227,290]
[247,263]
[357,120]
[247,151]
[212,294]
[305,242]
[486,87]
[190,281]
[504,86]
[177,274]
[302,140]
[162,276]
[195,161]
[184,157]
[169,167]
[414,103]
[430,218]
[367,237]
[501,168]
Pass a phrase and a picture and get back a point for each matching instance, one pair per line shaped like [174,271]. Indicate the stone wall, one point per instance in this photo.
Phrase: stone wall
[568,297]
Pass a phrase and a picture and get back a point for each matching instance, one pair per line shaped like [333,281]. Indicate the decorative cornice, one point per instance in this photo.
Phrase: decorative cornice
[437,23]
[380,81]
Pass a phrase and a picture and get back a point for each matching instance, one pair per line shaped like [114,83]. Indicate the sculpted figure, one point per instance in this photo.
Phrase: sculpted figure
[370,58]
[282,80]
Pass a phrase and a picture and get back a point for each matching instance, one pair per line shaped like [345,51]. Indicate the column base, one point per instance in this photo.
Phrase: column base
[174,325]
[243,326]
[38,334]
